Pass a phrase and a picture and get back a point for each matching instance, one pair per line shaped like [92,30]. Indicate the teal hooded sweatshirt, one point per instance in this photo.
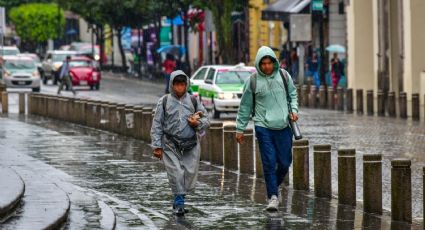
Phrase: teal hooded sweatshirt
[271,108]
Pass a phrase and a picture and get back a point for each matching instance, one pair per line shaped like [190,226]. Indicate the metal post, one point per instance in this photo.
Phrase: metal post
[331,98]
[391,104]
[349,98]
[22,103]
[359,101]
[381,103]
[415,106]
[403,105]
[369,102]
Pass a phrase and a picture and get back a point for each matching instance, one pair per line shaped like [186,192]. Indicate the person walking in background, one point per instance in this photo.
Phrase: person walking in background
[178,119]
[268,104]
[294,65]
[169,66]
[312,66]
[336,70]
[65,77]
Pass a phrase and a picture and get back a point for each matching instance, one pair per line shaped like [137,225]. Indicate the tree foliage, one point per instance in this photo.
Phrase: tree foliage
[37,22]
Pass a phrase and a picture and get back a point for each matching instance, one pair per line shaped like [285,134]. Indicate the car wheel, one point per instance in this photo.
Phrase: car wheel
[91,87]
[44,80]
[36,89]
[97,86]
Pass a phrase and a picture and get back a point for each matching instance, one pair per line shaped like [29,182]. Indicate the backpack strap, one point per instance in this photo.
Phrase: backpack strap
[253,86]
[192,98]
[285,83]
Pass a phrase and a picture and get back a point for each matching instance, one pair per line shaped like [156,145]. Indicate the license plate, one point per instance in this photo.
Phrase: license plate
[83,82]
[94,78]
[21,82]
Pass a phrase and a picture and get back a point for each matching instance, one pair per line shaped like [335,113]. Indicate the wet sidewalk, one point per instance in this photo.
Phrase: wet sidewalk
[121,173]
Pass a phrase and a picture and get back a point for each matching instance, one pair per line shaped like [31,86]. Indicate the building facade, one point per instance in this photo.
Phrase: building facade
[386,47]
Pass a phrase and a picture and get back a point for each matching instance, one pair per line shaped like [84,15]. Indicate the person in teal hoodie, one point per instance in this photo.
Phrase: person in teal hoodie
[271,120]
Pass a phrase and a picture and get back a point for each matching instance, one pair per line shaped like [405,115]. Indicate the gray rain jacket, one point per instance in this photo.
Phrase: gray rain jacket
[171,130]
[178,111]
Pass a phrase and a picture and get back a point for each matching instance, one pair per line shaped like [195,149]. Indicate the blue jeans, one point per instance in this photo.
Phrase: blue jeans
[276,155]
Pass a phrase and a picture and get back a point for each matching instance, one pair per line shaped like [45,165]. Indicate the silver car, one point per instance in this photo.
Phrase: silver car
[20,72]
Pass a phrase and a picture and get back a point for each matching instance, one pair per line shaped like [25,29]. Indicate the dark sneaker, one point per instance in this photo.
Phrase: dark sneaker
[179,211]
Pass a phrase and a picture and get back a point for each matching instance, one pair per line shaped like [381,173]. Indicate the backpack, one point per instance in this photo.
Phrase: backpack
[253,86]
[192,98]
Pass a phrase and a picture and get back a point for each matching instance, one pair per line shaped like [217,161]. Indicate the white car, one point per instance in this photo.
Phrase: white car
[222,88]
[9,51]
[20,72]
[52,63]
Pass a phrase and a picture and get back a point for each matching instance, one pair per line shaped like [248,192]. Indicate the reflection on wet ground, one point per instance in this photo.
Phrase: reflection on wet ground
[122,173]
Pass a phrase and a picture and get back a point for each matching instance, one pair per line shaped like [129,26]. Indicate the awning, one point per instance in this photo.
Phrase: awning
[281,9]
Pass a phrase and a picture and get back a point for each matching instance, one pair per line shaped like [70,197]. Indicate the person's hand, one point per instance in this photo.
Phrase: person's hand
[240,138]
[158,152]
[293,116]
[193,120]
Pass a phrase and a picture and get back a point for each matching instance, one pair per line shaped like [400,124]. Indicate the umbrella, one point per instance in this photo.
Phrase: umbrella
[336,48]
[172,49]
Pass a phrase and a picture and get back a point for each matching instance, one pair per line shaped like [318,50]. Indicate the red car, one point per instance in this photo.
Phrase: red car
[84,72]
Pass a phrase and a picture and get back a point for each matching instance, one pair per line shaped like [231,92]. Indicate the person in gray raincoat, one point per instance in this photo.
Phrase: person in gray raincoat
[178,120]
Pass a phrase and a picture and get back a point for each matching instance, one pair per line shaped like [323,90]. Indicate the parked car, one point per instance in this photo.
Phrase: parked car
[52,63]
[9,51]
[84,72]
[198,78]
[20,72]
[222,88]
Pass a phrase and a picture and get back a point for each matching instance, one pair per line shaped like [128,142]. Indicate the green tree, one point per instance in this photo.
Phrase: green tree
[37,22]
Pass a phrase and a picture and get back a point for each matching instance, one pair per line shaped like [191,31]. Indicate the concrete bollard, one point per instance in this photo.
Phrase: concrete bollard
[216,137]
[391,104]
[340,99]
[372,183]
[97,115]
[300,165]
[122,126]
[312,96]
[258,163]
[401,190]
[146,124]
[415,106]
[331,98]
[347,176]
[322,171]
[369,102]
[230,147]
[112,117]
[423,192]
[381,103]
[349,100]
[129,121]
[205,153]
[299,94]
[83,112]
[304,95]
[246,153]
[403,105]
[359,101]
[137,122]
[322,97]
[4,102]
[22,103]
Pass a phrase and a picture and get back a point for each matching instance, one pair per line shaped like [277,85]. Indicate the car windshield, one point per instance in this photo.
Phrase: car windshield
[80,63]
[59,57]
[19,64]
[11,52]
[88,50]
[232,77]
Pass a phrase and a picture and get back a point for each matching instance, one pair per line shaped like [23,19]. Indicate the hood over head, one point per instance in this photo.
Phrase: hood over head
[173,75]
[262,52]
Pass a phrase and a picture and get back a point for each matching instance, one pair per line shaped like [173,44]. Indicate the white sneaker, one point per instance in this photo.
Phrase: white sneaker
[273,204]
